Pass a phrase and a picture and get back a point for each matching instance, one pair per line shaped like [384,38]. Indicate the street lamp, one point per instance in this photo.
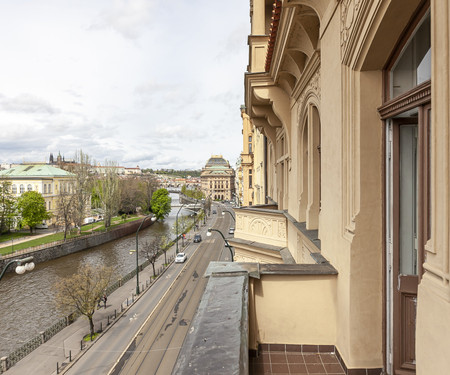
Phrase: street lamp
[152,218]
[176,222]
[24,264]
[176,225]
[209,233]
[223,214]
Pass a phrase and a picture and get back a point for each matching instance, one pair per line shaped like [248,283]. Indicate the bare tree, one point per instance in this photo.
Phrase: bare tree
[183,223]
[65,213]
[131,195]
[151,250]
[81,187]
[149,185]
[108,192]
[82,291]
[165,246]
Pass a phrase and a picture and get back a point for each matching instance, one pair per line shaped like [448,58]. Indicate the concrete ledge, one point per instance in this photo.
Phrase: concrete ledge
[217,342]
[283,251]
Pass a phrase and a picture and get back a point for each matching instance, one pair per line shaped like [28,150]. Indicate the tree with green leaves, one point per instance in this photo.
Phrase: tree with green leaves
[31,206]
[192,193]
[161,203]
[8,206]
[81,292]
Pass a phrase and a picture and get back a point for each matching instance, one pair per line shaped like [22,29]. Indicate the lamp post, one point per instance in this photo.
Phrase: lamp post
[209,233]
[152,218]
[176,224]
[223,214]
[24,264]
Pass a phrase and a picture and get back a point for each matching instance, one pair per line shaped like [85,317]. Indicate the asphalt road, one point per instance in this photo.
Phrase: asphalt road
[147,340]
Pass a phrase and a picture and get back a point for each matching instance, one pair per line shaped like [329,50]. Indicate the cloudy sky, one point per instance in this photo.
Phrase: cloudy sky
[140,82]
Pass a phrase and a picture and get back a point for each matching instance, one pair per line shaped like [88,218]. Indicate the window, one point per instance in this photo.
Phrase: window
[45,188]
[22,189]
[14,189]
[250,181]
[413,66]
[29,187]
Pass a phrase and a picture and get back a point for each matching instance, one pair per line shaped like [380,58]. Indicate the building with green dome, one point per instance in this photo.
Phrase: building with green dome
[218,179]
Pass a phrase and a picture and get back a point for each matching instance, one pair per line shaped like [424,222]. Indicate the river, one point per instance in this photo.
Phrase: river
[27,304]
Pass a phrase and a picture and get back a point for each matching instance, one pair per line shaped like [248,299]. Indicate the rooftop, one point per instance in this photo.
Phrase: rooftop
[34,171]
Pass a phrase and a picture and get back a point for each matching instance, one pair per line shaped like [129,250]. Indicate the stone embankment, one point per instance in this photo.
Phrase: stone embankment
[59,249]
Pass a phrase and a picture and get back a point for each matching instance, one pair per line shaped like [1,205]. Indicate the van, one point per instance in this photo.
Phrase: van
[89,220]
[41,226]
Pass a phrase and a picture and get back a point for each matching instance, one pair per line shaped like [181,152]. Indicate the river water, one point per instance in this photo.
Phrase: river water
[27,304]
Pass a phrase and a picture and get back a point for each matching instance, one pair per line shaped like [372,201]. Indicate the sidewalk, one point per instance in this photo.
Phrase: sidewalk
[25,239]
[67,343]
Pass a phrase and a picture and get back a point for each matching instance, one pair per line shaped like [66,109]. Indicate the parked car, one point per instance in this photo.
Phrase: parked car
[180,258]
[197,238]
[214,212]
[231,231]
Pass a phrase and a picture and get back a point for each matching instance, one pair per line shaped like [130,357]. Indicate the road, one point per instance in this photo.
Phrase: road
[147,340]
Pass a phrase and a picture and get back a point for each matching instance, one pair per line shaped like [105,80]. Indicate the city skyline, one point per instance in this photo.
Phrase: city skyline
[130,82]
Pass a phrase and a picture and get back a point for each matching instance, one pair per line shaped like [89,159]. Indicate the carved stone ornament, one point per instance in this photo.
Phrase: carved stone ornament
[260,226]
[349,10]
[313,87]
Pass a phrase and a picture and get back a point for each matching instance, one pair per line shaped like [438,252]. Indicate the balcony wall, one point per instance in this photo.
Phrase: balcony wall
[293,309]
[262,226]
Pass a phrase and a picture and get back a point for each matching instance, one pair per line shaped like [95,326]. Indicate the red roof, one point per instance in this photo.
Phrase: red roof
[276,12]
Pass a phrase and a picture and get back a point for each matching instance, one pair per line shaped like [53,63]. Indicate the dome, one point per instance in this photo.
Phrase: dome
[217,161]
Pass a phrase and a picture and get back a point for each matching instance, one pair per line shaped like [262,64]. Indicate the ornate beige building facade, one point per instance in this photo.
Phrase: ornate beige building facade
[352,99]
[247,160]
[218,179]
[45,179]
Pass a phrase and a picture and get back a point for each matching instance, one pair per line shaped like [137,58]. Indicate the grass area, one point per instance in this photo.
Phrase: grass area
[13,235]
[85,230]
[89,338]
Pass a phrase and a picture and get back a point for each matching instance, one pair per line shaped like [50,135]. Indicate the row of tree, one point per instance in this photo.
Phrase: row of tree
[107,193]
[192,193]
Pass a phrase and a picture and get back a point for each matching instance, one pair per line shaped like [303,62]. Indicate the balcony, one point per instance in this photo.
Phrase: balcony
[247,307]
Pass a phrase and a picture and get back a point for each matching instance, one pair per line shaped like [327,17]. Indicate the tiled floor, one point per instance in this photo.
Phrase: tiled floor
[283,362]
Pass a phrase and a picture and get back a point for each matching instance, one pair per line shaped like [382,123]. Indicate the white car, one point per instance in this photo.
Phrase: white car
[180,258]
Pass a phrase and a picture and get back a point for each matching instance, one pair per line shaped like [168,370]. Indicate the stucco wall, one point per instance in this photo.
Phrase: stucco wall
[294,309]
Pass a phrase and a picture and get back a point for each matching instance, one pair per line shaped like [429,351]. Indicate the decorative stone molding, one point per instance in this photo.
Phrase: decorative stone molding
[261,225]
[349,11]
[354,15]
[421,94]
[313,88]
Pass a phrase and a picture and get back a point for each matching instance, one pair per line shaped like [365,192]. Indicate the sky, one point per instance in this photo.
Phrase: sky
[154,84]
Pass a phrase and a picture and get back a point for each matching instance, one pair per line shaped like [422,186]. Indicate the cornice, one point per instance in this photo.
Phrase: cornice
[419,95]
[311,69]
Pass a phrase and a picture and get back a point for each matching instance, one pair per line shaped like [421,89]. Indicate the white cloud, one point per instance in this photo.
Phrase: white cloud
[140,82]
[129,18]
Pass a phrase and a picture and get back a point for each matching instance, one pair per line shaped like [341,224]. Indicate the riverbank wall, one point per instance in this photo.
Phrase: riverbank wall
[54,250]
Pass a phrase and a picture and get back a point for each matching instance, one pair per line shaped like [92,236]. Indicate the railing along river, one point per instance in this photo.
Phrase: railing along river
[28,301]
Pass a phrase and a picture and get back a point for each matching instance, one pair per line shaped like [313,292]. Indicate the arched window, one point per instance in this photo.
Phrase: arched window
[22,189]
[14,189]
[29,187]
